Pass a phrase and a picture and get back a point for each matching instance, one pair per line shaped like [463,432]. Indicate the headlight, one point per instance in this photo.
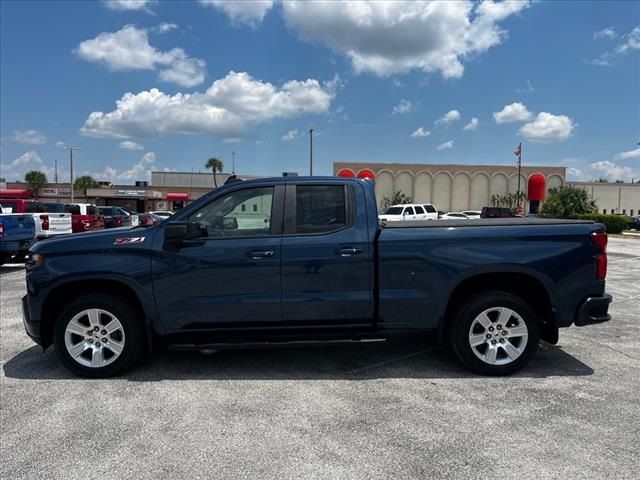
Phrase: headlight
[37,259]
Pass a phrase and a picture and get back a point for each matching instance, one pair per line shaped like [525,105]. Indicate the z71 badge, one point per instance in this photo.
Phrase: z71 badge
[128,240]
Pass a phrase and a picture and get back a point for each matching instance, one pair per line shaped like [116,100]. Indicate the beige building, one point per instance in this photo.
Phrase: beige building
[452,187]
[621,198]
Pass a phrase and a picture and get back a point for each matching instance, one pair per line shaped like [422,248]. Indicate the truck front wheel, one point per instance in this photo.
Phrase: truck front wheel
[98,335]
[495,333]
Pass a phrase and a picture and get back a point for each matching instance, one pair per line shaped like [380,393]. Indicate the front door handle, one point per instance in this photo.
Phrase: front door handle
[257,254]
[348,251]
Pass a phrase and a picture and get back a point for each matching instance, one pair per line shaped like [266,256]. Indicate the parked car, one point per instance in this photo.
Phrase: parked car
[407,212]
[321,268]
[85,217]
[115,217]
[17,233]
[634,223]
[162,213]
[48,223]
[472,214]
[454,216]
[496,212]
[149,219]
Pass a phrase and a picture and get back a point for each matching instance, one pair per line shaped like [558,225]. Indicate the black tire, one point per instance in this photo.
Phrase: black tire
[464,320]
[132,327]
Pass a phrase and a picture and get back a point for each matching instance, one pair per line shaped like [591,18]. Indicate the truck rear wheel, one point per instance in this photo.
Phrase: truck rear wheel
[495,333]
[98,335]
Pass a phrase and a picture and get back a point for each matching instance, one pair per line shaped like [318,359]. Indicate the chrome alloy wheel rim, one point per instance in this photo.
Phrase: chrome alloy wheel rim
[94,338]
[498,336]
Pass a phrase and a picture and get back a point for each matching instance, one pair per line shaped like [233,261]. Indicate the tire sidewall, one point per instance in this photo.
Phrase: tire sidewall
[465,317]
[124,313]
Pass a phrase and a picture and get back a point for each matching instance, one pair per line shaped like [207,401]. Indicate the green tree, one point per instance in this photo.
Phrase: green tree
[36,180]
[398,198]
[215,165]
[85,182]
[566,202]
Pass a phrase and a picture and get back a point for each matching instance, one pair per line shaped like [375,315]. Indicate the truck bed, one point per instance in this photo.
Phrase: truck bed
[483,222]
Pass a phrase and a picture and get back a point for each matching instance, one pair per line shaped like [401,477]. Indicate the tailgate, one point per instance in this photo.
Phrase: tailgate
[59,222]
[17,227]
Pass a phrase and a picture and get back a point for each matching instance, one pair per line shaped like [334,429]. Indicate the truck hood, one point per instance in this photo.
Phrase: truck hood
[101,240]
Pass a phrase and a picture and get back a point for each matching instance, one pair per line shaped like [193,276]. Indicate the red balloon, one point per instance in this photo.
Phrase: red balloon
[366,174]
[345,172]
[537,186]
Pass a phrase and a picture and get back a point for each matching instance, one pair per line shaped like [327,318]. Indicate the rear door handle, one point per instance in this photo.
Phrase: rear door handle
[256,254]
[348,251]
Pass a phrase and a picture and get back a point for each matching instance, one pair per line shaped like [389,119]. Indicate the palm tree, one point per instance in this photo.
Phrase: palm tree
[215,165]
[85,182]
[36,180]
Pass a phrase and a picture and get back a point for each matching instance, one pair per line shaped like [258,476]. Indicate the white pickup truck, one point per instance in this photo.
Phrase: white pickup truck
[50,219]
[409,212]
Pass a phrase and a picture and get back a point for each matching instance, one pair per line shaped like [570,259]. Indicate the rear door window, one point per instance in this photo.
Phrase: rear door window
[73,209]
[320,208]
[419,209]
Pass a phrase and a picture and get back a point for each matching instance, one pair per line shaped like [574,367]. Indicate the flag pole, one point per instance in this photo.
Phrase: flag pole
[519,170]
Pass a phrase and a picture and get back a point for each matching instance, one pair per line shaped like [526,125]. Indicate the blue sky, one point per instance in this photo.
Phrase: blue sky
[379,82]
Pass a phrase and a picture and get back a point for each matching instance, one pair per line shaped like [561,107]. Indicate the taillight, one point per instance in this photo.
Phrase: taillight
[118,222]
[45,222]
[1,230]
[599,239]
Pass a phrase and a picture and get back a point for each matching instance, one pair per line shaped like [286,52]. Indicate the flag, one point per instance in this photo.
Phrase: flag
[518,150]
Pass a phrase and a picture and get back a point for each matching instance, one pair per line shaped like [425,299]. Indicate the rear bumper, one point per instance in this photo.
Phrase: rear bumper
[15,246]
[32,328]
[594,310]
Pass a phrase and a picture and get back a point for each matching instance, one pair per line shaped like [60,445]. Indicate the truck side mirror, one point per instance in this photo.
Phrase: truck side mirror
[177,231]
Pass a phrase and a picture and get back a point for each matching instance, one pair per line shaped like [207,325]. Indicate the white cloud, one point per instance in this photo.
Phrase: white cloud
[420,132]
[129,49]
[247,12]
[448,118]
[60,144]
[608,32]
[405,106]
[124,5]
[30,137]
[630,42]
[516,112]
[445,145]
[548,128]
[574,174]
[140,170]
[627,155]
[164,27]
[472,125]
[398,83]
[129,145]
[30,160]
[226,109]
[290,135]
[613,171]
[394,37]
[528,89]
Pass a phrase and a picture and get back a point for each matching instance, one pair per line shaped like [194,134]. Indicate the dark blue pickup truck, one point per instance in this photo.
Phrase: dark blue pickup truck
[17,233]
[305,260]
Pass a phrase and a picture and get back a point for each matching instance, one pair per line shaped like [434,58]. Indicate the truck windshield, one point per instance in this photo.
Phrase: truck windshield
[393,211]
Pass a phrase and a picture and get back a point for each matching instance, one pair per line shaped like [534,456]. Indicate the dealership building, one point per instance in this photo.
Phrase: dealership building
[448,187]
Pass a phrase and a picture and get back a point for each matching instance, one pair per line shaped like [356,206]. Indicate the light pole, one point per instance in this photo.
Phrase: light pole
[233,163]
[311,152]
[71,148]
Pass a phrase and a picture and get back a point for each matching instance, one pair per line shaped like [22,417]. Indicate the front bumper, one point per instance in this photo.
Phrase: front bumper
[594,310]
[32,328]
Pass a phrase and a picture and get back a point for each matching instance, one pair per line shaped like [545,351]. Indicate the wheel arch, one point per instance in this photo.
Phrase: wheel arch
[62,293]
[525,285]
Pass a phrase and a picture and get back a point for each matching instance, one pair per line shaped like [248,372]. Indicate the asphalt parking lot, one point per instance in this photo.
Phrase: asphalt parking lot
[394,410]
